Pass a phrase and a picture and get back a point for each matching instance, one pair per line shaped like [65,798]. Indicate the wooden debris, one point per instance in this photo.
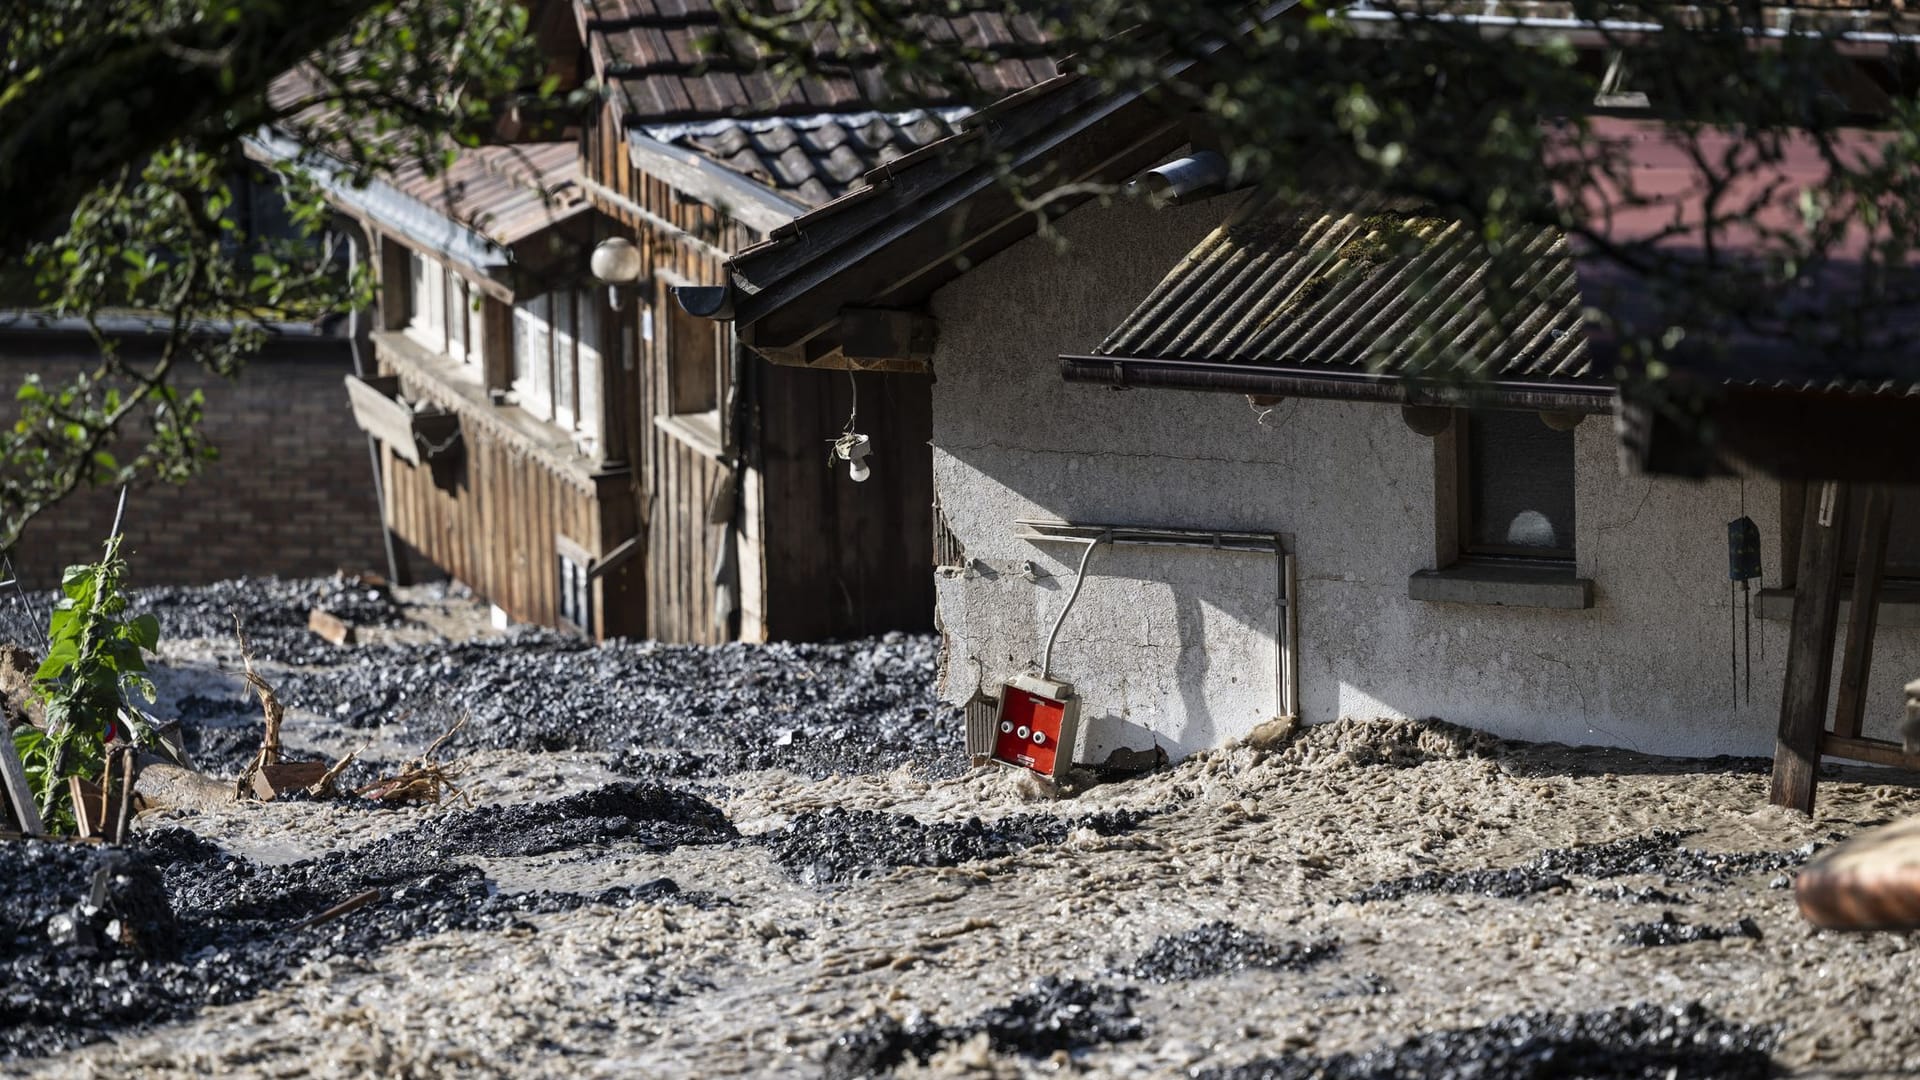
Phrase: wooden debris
[89,807]
[330,626]
[324,788]
[1871,882]
[123,773]
[422,779]
[272,781]
[351,903]
[16,796]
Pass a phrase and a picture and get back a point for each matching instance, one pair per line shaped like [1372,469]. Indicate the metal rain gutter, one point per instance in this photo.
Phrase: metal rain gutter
[1274,381]
[393,210]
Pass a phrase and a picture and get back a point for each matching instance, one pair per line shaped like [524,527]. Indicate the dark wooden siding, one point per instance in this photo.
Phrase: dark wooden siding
[846,559]
[834,558]
[491,521]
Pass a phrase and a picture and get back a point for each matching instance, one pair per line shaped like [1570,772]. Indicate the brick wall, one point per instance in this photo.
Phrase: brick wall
[290,495]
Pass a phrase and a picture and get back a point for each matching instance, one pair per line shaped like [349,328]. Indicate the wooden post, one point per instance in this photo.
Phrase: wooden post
[1816,609]
[1868,570]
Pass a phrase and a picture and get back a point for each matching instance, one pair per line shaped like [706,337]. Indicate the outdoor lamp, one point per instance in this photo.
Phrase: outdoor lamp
[616,262]
[853,449]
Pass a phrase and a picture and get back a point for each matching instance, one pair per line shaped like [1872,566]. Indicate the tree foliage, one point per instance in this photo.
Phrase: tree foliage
[121,128]
[1498,116]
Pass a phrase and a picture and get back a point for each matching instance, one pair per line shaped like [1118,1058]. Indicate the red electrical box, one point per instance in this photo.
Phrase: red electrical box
[1037,723]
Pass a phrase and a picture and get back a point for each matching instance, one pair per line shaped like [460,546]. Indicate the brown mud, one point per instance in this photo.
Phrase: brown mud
[818,886]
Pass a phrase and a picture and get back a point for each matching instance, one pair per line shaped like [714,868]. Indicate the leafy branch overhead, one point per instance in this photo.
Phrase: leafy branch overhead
[1508,118]
[126,194]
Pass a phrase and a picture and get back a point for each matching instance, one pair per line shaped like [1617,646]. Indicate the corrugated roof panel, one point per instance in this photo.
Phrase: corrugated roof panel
[1364,289]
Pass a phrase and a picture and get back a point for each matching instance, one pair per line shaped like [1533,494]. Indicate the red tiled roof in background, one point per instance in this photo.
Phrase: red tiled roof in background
[649,52]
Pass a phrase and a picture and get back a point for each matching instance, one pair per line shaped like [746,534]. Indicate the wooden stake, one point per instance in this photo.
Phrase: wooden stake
[1816,609]
[15,790]
[1868,571]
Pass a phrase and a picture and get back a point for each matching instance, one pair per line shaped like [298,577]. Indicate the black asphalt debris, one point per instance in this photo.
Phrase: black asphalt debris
[1221,948]
[209,927]
[837,844]
[1055,1015]
[1670,929]
[272,611]
[1655,854]
[1640,1042]
[661,711]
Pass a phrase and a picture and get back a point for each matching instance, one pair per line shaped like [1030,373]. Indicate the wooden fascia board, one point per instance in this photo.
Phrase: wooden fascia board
[736,196]
[980,218]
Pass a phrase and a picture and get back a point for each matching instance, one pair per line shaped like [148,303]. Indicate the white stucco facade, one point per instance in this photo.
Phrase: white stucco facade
[1177,646]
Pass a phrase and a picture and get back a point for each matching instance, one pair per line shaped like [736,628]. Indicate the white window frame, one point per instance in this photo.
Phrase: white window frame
[427,307]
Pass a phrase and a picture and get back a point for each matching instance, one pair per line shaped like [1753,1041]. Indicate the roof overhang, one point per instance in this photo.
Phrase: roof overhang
[1268,380]
[381,205]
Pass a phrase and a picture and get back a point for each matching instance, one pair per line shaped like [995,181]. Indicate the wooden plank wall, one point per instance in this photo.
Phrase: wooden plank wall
[847,559]
[838,559]
[494,526]
[675,483]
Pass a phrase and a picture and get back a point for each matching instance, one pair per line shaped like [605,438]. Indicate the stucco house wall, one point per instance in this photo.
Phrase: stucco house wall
[1175,646]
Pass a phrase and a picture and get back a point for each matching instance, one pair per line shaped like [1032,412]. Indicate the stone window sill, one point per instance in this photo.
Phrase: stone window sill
[1503,583]
[1899,604]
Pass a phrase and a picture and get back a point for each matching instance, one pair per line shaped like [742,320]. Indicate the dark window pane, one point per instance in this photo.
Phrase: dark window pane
[1519,485]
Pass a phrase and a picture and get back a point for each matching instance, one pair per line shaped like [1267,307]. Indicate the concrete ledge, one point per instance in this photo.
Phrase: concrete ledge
[1899,605]
[1503,584]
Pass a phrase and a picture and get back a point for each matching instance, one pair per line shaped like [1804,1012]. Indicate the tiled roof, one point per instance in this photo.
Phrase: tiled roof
[652,53]
[504,193]
[1370,290]
[811,159]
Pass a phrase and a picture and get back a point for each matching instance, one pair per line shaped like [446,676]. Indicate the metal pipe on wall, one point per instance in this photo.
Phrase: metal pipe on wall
[1271,380]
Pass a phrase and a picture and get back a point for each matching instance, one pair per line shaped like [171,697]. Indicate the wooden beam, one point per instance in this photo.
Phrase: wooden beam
[871,335]
[1816,609]
[1872,751]
[1793,434]
[1868,570]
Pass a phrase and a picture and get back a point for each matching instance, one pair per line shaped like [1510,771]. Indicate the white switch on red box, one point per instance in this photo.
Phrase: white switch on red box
[1036,726]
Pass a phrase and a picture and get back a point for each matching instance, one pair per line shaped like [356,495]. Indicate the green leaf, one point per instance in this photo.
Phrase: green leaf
[63,654]
[144,631]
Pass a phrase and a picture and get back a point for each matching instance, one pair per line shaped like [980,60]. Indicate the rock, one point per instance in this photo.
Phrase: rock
[18,703]
[1273,734]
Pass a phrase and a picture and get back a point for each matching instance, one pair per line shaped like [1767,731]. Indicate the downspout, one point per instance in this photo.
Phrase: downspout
[359,339]
[728,500]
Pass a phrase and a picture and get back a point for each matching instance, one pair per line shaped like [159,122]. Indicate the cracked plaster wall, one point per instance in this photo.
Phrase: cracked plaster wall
[1176,646]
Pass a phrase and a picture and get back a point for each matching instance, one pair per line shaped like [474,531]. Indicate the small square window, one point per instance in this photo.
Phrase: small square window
[575,593]
[1516,486]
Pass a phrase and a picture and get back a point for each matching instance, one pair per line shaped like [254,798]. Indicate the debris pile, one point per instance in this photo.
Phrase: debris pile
[837,844]
[1641,1042]
[1221,948]
[1055,1015]
[179,923]
[1669,929]
[1654,854]
[276,612]
[664,711]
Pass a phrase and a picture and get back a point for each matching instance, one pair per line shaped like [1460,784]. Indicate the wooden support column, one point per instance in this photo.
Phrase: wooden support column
[1816,608]
[1868,570]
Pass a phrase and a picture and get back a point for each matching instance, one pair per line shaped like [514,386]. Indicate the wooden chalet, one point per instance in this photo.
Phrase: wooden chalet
[588,454]
[749,532]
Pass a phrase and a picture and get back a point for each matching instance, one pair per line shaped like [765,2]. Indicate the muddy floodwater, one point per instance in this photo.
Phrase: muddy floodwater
[752,861]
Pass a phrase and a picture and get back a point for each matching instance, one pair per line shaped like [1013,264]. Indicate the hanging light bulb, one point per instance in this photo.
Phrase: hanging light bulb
[853,449]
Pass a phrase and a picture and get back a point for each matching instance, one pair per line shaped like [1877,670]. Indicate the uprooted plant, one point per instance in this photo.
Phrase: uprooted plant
[92,667]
